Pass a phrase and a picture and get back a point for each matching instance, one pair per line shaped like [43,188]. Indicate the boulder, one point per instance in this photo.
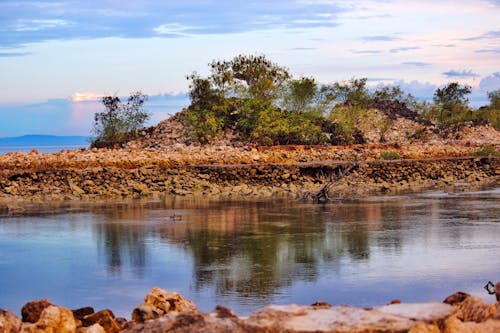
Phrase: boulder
[82,312]
[105,318]
[497,291]
[96,328]
[31,311]
[9,323]
[159,302]
[190,321]
[474,309]
[52,319]
[422,312]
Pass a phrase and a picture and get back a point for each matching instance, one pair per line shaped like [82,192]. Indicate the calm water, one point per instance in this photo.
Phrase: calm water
[249,254]
[40,148]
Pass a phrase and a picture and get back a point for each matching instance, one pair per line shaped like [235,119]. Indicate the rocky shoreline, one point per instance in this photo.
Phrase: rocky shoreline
[164,311]
[230,172]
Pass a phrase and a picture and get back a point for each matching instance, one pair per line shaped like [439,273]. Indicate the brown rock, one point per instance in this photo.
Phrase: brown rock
[424,328]
[82,312]
[454,325]
[424,312]
[190,321]
[9,323]
[455,298]
[31,311]
[96,328]
[497,291]
[53,319]
[474,309]
[105,318]
[223,312]
[159,302]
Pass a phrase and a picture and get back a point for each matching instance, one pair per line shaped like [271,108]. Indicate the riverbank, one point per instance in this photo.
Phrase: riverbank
[228,171]
[164,311]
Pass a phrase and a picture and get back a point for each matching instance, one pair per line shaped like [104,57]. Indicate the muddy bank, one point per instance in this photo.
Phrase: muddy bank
[119,180]
[163,311]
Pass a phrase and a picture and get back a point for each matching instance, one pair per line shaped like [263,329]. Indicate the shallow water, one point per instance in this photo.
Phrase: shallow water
[246,254]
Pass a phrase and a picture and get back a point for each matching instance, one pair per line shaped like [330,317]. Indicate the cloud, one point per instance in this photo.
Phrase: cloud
[421,90]
[366,51]
[487,35]
[38,21]
[404,49]
[463,74]
[379,38]
[85,96]
[13,54]
[303,49]
[488,51]
[490,83]
[415,63]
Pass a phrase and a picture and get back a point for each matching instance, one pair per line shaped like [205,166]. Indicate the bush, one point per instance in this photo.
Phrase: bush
[119,122]
[389,155]
[486,151]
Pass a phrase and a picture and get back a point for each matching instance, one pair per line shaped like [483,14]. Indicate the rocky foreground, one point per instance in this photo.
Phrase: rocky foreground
[164,311]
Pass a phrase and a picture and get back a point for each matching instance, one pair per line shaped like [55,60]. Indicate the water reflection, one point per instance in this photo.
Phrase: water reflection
[254,253]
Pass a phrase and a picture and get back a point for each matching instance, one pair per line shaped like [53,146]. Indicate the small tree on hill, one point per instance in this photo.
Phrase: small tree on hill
[119,122]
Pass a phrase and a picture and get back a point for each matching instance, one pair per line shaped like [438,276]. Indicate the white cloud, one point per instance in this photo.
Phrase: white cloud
[39,24]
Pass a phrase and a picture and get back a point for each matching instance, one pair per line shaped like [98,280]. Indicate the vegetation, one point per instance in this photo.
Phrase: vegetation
[487,151]
[263,104]
[389,155]
[119,122]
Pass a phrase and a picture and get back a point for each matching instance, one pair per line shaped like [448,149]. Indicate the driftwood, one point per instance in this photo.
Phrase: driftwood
[322,195]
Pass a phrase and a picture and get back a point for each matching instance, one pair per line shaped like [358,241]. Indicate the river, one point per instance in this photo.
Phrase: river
[247,254]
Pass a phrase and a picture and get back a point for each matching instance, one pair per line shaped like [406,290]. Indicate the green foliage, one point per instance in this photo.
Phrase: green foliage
[299,95]
[487,151]
[119,122]
[491,112]
[351,93]
[389,155]
[346,120]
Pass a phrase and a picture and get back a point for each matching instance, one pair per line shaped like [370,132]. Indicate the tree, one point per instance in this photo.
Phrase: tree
[300,94]
[252,75]
[351,93]
[119,122]
[452,105]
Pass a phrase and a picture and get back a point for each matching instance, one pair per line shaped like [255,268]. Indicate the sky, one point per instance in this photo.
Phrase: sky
[57,58]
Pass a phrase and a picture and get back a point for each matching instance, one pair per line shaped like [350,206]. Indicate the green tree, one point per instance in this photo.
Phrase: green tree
[351,93]
[119,122]
[452,105]
[300,95]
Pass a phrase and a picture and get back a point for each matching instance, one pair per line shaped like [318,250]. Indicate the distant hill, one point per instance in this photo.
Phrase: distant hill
[45,140]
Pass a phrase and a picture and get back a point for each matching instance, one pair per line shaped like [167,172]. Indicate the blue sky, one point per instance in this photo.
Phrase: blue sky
[58,57]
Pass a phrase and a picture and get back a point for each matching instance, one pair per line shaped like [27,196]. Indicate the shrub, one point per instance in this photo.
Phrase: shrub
[119,122]
[389,155]
[486,151]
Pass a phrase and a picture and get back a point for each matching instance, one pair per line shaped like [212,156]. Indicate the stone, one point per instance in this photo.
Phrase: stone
[82,312]
[31,311]
[9,323]
[105,318]
[424,328]
[454,325]
[497,291]
[294,318]
[52,319]
[474,309]
[424,312]
[190,321]
[159,302]
[96,328]
[456,298]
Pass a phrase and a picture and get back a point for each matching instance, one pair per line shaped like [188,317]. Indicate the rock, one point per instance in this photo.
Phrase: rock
[96,328]
[159,302]
[75,189]
[293,318]
[497,291]
[456,298]
[105,318]
[31,311]
[454,325]
[424,328]
[474,309]
[53,319]
[82,312]
[424,312]
[9,323]
[190,321]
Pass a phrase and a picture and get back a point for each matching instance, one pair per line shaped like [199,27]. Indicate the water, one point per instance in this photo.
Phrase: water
[245,255]
[40,148]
